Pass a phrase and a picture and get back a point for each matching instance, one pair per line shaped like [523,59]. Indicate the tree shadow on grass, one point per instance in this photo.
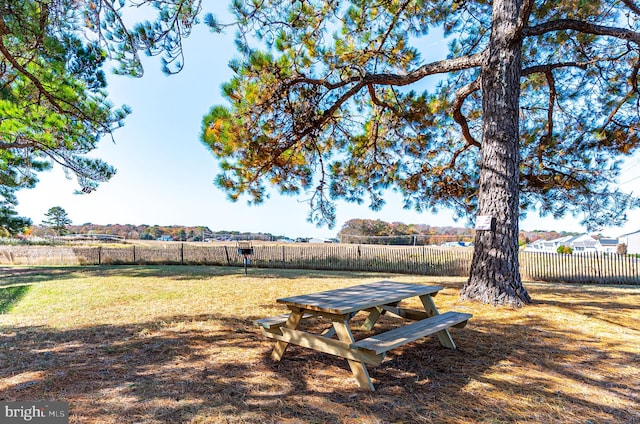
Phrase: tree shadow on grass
[10,276]
[11,295]
[205,368]
[599,302]
[26,275]
[174,370]
[500,373]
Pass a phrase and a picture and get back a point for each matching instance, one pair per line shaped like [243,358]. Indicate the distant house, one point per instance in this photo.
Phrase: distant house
[632,240]
[583,243]
[457,244]
[607,245]
[318,240]
[540,246]
[165,238]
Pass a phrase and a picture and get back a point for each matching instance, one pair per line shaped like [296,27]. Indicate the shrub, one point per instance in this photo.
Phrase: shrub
[564,250]
[622,249]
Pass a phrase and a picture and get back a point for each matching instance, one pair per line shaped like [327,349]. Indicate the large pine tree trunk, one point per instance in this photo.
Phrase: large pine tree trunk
[495,274]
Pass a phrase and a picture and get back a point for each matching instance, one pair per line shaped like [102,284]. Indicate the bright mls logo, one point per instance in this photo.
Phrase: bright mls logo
[34,412]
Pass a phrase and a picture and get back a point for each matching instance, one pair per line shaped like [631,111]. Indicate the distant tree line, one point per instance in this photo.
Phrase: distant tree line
[152,232]
[369,231]
[358,231]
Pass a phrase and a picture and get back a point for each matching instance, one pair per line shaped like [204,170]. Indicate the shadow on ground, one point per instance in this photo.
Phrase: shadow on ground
[10,275]
[510,366]
[203,368]
[11,295]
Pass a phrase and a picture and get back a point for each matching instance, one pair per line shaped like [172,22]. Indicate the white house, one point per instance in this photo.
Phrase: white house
[540,246]
[319,240]
[583,243]
[632,240]
[607,245]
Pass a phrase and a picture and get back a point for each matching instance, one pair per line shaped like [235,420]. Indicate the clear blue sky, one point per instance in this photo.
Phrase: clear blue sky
[165,174]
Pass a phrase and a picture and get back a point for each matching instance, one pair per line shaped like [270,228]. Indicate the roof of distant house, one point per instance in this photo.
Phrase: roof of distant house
[630,234]
[608,241]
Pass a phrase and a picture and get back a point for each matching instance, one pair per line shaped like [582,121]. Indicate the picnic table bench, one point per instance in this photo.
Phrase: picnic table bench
[341,305]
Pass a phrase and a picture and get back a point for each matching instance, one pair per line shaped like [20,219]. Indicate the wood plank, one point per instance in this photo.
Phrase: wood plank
[356,298]
[325,345]
[429,305]
[461,325]
[277,321]
[372,318]
[388,340]
[357,366]
[443,336]
[293,321]
[410,314]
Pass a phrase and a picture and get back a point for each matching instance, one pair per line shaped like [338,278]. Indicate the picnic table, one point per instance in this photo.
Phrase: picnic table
[339,306]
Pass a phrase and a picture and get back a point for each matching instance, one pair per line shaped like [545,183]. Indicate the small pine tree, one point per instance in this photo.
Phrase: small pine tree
[57,219]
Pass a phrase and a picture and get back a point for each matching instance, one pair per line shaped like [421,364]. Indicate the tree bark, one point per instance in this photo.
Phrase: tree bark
[495,275]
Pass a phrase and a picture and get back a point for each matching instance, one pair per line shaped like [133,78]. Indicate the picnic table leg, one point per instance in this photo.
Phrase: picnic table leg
[429,305]
[357,368]
[443,336]
[292,322]
[374,314]
[331,331]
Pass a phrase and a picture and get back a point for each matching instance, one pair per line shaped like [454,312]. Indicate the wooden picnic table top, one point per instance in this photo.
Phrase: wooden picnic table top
[346,300]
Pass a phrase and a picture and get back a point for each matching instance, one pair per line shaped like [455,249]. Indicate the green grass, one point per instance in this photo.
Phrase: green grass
[77,296]
[172,344]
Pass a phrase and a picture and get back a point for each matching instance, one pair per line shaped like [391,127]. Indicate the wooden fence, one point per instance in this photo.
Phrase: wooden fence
[581,268]
[419,260]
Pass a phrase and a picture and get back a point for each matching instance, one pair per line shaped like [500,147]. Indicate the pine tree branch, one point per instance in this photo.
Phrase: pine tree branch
[16,145]
[394,21]
[523,18]
[127,35]
[617,107]
[631,5]
[552,101]
[543,69]
[35,81]
[433,68]
[584,27]
[633,80]
[460,96]
[376,100]
[55,102]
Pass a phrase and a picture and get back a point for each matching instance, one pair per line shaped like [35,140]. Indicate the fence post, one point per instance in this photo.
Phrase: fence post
[599,268]
[181,253]
[99,255]
[284,262]
[226,252]
[134,253]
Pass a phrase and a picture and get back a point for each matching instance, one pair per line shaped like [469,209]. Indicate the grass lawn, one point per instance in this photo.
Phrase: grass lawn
[172,344]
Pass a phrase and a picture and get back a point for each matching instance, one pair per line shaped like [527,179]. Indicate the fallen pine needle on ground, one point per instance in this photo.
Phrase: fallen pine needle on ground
[177,344]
